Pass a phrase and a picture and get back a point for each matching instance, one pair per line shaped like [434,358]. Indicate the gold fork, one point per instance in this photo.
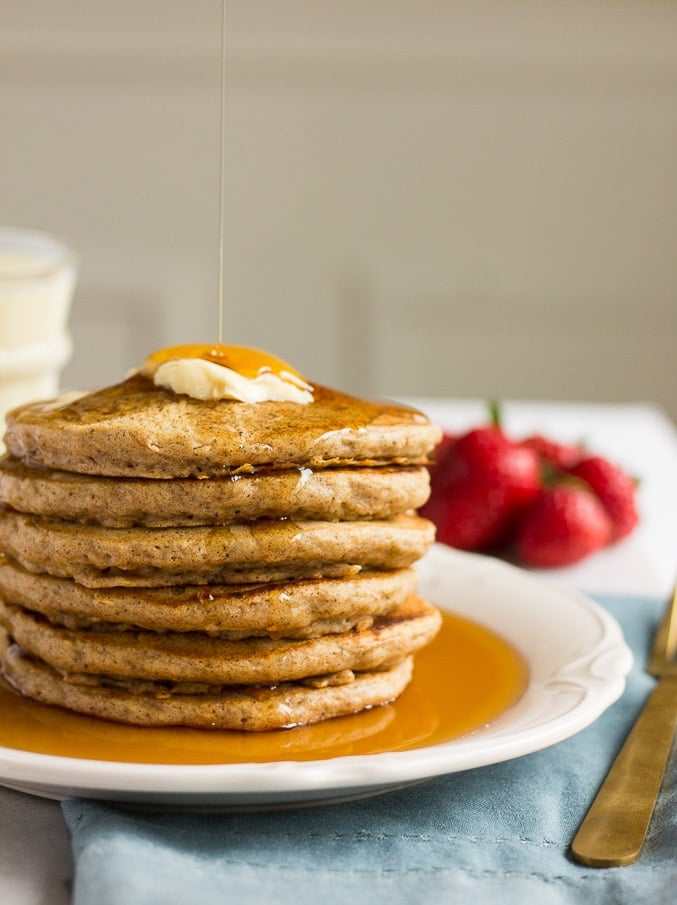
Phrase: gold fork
[614,829]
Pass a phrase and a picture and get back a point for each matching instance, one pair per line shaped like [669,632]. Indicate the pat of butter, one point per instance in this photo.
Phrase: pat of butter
[203,379]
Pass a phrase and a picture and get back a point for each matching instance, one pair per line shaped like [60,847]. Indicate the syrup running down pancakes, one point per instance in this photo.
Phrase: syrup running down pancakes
[213,543]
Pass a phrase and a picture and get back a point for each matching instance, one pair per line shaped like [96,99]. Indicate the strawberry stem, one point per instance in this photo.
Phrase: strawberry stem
[495,413]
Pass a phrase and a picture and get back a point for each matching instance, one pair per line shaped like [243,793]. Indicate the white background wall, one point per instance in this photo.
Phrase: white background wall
[423,198]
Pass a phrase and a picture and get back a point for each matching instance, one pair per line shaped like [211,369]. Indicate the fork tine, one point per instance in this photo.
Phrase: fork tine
[664,647]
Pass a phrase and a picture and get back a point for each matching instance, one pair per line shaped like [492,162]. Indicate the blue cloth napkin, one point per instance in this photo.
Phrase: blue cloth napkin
[499,833]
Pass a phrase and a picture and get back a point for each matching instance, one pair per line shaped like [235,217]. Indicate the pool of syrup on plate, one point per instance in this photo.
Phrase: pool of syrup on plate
[463,680]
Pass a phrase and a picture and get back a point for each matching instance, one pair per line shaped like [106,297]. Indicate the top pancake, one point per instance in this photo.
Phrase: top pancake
[135,429]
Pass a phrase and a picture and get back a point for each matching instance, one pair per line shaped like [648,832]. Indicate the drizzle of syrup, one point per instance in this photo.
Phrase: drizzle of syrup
[463,680]
[248,362]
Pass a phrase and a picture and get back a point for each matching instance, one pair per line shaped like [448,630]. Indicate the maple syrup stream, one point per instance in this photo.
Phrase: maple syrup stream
[222,144]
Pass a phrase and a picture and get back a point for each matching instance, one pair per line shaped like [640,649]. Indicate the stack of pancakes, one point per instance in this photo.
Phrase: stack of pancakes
[172,561]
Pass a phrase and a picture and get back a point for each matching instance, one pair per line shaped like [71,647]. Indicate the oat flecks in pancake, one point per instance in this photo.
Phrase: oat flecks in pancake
[236,708]
[287,609]
[99,557]
[329,494]
[193,657]
[135,429]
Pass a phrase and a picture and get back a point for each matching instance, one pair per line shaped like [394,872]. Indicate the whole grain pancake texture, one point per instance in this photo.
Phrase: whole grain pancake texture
[214,542]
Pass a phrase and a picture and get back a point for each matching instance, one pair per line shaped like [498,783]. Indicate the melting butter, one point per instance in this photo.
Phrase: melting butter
[226,372]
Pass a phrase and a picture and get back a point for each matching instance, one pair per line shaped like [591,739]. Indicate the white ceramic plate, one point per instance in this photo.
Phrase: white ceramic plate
[577,662]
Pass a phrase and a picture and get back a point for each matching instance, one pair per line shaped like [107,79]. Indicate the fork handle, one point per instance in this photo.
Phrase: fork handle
[613,831]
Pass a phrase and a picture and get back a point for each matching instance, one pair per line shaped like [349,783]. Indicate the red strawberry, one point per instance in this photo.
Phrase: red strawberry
[479,486]
[563,525]
[442,449]
[558,455]
[614,488]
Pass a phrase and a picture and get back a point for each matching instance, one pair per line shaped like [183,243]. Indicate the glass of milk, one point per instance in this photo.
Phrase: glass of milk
[37,278]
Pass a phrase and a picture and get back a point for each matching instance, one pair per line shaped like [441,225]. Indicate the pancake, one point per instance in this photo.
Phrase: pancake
[171,560]
[135,429]
[287,610]
[327,495]
[265,550]
[195,657]
[236,708]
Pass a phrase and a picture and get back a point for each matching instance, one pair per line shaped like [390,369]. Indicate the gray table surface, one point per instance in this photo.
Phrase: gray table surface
[36,866]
